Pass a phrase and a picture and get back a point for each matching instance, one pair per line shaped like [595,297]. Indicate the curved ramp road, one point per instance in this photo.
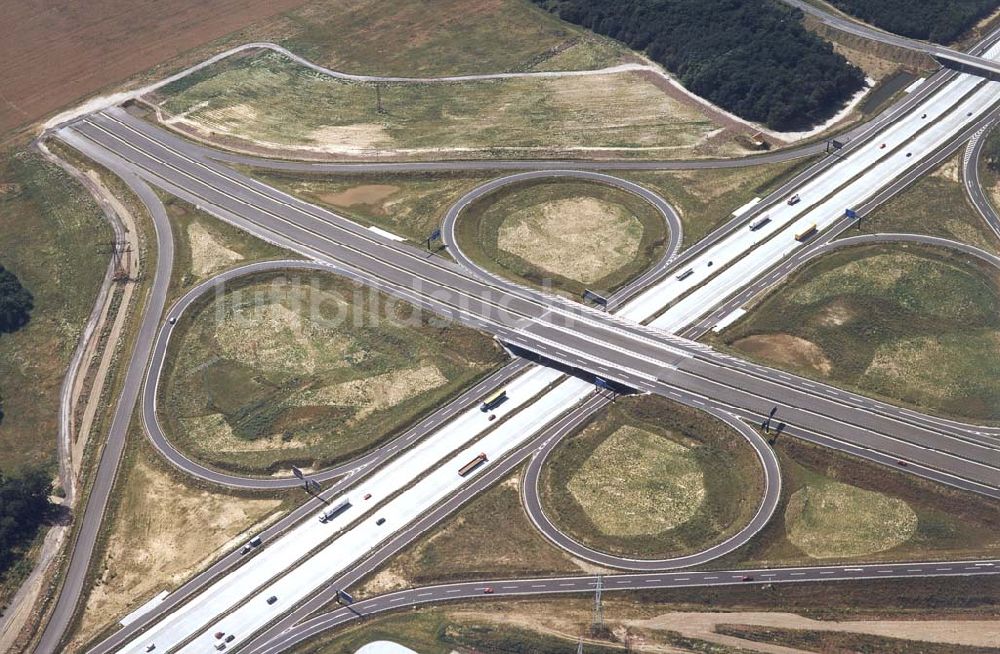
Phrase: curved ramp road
[151,389]
[89,524]
[769,503]
[674,227]
[555,328]
[973,188]
[970,62]
[971,178]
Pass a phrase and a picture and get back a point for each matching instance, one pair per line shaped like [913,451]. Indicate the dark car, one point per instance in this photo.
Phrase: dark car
[230,638]
[747,578]
[380,521]
[272,599]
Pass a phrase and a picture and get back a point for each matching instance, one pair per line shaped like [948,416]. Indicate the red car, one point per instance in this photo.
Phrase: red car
[902,463]
[368,496]
[881,147]
[747,578]
[488,590]
[219,634]
[493,417]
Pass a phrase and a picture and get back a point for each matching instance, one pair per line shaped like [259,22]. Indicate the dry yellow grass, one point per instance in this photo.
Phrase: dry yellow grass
[275,336]
[828,519]
[162,533]
[582,238]
[638,483]
[372,194]
[787,350]
[208,253]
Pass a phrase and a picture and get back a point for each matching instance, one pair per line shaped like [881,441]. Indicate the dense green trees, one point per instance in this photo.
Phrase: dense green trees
[942,21]
[15,302]
[751,57]
[24,507]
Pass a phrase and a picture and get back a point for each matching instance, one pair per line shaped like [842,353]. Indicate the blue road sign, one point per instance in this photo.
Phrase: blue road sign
[851,213]
[436,234]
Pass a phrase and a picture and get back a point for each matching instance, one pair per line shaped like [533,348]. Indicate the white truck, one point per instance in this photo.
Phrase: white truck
[334,510]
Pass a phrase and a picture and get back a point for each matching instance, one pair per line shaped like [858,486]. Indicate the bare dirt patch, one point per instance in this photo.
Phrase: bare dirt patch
[208,254]
[828,519]
[370,194]
[786,350]
[836,314]
[581,238]
[981,633]
[638,483]
[163,532]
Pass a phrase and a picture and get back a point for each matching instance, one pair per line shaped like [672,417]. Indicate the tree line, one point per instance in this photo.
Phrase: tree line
[941,21]
[24,508]
[751,57]
[16,302]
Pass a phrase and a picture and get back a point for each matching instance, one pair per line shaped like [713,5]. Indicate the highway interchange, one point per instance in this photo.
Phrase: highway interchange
[649,359]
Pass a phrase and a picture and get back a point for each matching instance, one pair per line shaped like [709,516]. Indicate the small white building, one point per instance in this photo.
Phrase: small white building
[384,647]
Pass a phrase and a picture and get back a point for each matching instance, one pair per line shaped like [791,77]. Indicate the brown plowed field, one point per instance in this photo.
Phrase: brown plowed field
[53,52]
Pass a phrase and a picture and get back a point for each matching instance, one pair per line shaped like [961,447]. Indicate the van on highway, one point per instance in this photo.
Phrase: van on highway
[253,543]
[760,222]
[794,199]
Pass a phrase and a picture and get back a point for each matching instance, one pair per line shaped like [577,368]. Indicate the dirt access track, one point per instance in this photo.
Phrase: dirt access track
[56,53]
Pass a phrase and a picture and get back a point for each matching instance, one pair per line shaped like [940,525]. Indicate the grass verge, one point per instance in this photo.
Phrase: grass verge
[307,370]
[491,536]
[266,101]
[205,246]
[162,528]
[690,482]
[55,239]
[910,324]
[706,198]
[564,235]
[839,508]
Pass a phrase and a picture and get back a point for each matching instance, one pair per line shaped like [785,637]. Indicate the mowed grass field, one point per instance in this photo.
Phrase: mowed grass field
[54,238]
[911,324]
[650,478]
[266,101]
[835,507]
[307,370]
[564,235]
